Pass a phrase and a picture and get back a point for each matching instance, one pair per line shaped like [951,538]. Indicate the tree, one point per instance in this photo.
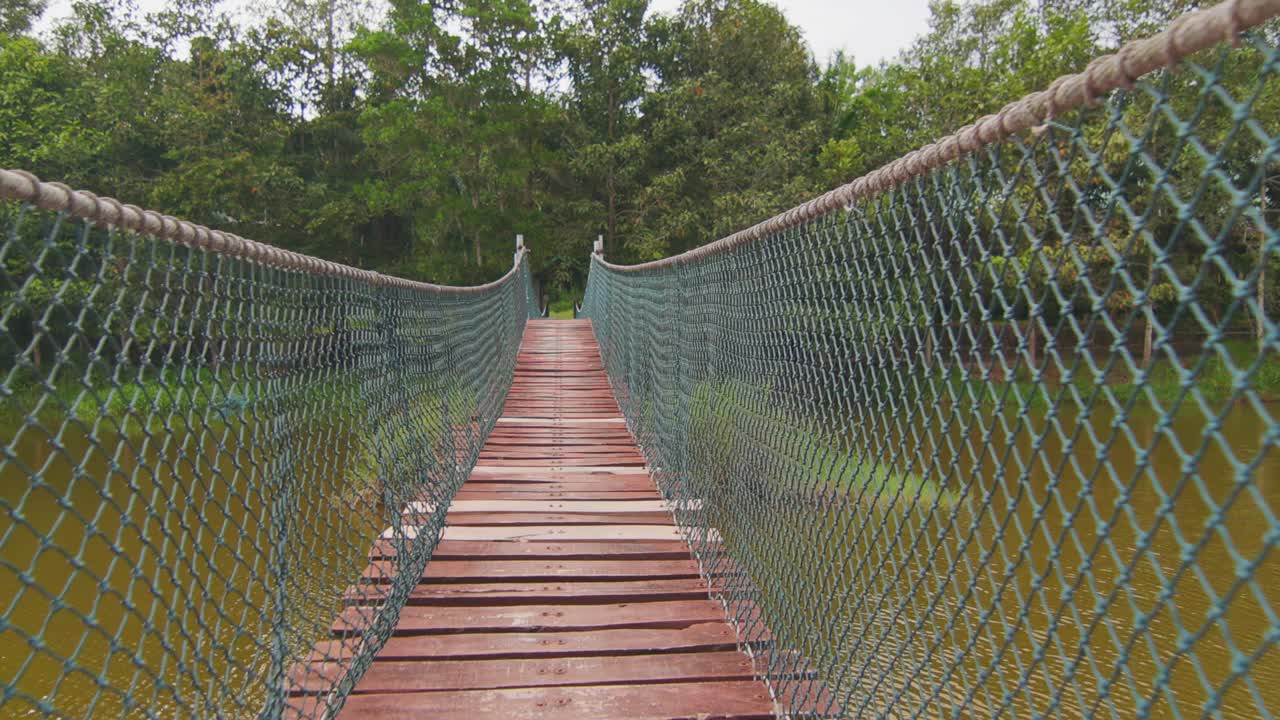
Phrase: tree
[604,50]
[17,16]
[732,124]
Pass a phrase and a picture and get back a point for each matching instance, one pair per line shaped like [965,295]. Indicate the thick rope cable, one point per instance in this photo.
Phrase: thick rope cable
[25,187]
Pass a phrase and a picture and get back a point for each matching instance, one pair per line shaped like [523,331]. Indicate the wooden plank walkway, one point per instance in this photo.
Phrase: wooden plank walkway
[561,588]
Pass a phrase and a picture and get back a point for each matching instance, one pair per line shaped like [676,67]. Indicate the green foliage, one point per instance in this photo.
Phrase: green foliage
[419,138]
[421,141]
[17,16]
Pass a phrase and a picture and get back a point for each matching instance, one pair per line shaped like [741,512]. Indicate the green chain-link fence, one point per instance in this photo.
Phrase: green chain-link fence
[992,432]
[205,440]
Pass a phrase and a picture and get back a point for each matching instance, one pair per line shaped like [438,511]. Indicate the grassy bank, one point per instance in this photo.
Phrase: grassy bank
[1214,376]
[562,309]
[128,398]
[738,433]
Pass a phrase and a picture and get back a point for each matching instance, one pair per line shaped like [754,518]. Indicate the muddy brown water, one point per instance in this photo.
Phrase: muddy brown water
[1102,581]
[135,570]
[1123,569]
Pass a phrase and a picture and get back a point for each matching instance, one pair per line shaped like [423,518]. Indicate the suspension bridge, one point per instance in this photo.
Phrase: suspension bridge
[561,586]
[983,433]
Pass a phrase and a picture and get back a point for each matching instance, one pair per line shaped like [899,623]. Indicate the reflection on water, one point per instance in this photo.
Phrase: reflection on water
[136,572]
[1092,565]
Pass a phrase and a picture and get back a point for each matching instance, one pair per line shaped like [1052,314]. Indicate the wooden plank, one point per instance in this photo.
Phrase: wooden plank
[422,675]
[572,592]
[426,620]
[731,700]
[555,441]
[552,533]
[698,637]
[535,387]
[560,450]
[618,509]
[517,550]
[547,487]
[484,569]
[556,382]
[702,637]
[492,469]
[460,519]
[563,457]
[525,492]
[554,437]
[559,482]
[587,422]
[577,506]
[566,460]
[564,532]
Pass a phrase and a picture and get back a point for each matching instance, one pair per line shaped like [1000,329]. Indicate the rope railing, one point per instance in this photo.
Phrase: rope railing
[207,438]
[991,431]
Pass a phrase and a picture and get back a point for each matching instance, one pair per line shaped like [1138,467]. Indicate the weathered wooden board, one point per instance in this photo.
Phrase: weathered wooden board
[425,620]
[390,676]
[704,637]
[564,532]
[541,502]
[561,482]
[523,493]
[540,473]
[531,518]
[570,592]
[567,422]
[561,450]
[555,533]
[517,550]
[527,506]
[484,569]
[562,463]
[730,700]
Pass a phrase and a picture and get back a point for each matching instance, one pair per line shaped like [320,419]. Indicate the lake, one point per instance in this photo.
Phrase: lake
[1077,566]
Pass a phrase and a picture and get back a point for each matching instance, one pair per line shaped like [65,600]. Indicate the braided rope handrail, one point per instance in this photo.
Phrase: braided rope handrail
[25,187]
[1187,34]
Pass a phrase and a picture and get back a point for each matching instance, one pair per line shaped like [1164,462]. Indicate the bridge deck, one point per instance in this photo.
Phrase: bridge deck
[561,588]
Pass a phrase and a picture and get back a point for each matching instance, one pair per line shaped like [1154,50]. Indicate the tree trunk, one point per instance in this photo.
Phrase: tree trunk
[1033,342]
[610,188]
[1148,333]
[1260,317]
[330,62]
[215,354]
[528,176]
[1148,340]
[1262,299]
[475,205]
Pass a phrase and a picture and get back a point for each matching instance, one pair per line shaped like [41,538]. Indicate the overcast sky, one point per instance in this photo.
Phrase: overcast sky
[869,30]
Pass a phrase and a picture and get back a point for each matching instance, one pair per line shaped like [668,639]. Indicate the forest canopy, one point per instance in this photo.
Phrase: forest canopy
[417,138]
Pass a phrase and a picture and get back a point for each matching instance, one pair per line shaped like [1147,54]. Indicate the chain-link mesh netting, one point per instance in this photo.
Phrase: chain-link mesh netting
[998,439]
[203,450]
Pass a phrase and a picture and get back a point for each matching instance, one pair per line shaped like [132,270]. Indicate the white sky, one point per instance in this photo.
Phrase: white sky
[869,30]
